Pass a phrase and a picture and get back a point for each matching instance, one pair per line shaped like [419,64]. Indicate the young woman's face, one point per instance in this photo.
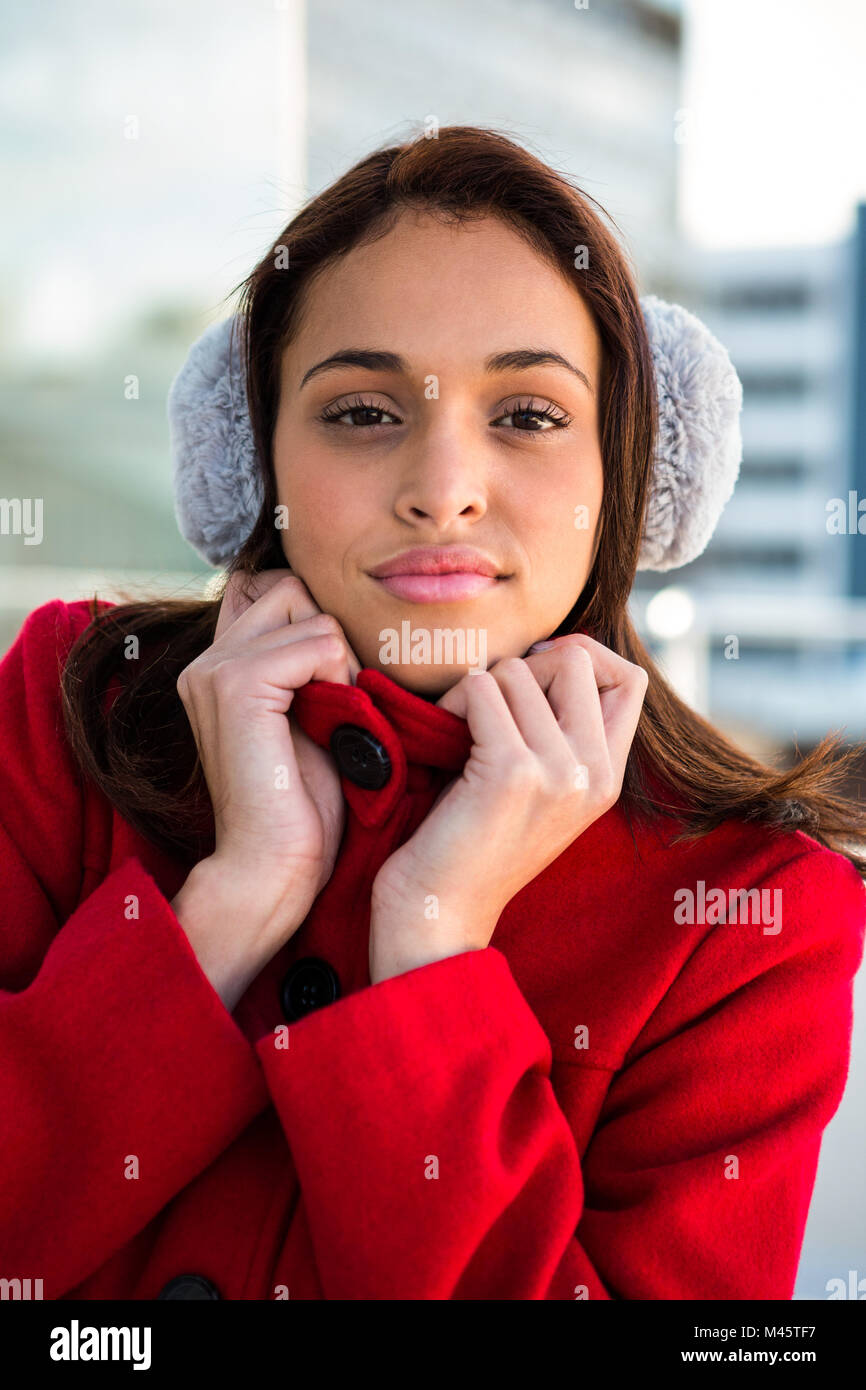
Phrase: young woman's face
[429,441]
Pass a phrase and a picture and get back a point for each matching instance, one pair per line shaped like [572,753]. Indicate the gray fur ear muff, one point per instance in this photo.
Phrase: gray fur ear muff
[699,445]
[218,488]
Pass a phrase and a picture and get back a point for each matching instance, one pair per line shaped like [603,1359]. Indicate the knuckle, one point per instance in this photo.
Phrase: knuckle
[188,675]
[292,583]
[328,626]
[575,651]
[332,644]
[594,782]
[513,665]
[564,780]
[223,676]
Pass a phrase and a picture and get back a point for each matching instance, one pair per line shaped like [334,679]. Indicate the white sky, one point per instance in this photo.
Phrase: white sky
[775,141]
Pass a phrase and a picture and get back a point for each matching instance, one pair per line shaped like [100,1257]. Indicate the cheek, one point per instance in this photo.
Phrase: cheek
[576,509]
[556,527]
[320,511]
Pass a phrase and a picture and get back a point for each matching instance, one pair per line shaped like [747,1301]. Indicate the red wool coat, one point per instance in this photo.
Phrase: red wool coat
[608,1102]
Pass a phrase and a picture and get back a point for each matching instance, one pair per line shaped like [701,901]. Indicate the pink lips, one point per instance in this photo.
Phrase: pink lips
[437,588]
[437,574]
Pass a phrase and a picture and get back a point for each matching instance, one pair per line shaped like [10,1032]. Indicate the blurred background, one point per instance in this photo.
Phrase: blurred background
[150,153]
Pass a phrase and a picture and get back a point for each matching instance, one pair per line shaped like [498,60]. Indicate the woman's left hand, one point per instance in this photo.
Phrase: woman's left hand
[551,734]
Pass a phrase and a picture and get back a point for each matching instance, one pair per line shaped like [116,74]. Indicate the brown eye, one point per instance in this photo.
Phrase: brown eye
[530,419]
[362,414]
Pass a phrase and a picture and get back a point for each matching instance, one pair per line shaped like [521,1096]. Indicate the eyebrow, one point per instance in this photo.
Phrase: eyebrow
[376,360]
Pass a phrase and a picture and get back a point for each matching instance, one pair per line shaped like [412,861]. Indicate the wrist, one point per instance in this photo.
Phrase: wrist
[201,912]
[248,895]
[232,924]
[400,941]
[385,964]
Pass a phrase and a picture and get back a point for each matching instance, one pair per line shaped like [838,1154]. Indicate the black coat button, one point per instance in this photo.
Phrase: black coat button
[189,1286]
[361,756]
[309,984]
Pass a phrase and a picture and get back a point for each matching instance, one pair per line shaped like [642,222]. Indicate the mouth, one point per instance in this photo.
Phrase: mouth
[438,588]
[438,574]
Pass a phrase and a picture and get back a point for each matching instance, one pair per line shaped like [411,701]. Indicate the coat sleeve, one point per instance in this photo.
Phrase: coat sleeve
[435,1160]
[109,1029]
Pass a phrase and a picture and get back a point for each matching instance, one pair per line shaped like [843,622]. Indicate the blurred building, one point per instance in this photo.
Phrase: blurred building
[781,574]
[594,91]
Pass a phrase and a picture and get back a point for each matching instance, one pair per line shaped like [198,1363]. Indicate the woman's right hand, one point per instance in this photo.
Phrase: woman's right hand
[278,806]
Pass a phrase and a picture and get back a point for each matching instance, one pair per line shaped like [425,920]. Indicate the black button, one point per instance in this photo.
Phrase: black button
[360,756]
[309,984]
[189,1286]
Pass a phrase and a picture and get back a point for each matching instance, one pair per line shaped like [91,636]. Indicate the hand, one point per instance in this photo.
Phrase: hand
[278,806]
[551,735]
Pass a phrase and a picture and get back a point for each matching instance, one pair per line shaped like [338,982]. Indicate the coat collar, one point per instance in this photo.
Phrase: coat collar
[409,734]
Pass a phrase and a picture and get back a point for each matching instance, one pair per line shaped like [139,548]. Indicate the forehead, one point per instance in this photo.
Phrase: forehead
[428,285]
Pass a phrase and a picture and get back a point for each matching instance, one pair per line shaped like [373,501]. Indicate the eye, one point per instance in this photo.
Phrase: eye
[527,417]
[361,410]
[532,419]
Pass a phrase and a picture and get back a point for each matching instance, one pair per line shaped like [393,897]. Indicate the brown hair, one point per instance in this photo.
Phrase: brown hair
[141,751]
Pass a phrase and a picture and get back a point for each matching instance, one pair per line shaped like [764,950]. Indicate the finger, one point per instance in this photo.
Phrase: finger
[570,685]
[568,677]
[530,709]
[288,600]
[571,735]
[621,687]
[621,706]
[273,676]
[570,724]
[242,591]
[282,599]
[319,625]
[480,701]
[609,667]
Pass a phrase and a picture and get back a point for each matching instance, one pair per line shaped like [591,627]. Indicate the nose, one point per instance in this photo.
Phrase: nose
[444,472]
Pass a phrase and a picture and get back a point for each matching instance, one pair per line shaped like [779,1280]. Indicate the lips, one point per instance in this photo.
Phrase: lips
[437,588]
[434,560]
[438,574]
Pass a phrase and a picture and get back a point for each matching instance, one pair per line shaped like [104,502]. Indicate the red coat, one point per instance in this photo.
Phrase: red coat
[607,1102]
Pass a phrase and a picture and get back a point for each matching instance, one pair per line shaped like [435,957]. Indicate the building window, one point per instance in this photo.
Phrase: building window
[779,296]
[770,385]
[760,556]
[773,470]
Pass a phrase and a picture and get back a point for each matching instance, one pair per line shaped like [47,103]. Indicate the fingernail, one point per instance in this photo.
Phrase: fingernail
[540,646]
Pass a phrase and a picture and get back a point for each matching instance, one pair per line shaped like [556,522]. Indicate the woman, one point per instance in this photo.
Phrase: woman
[439,987]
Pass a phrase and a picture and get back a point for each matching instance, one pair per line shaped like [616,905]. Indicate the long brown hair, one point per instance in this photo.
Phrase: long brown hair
[141,751]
